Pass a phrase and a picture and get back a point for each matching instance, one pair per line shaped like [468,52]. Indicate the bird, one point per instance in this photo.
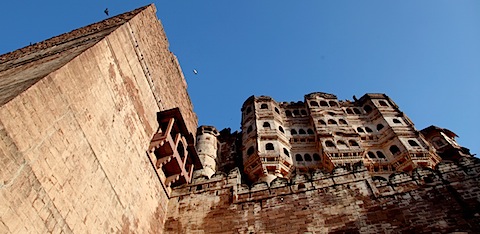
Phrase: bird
[106,11]
[195,71]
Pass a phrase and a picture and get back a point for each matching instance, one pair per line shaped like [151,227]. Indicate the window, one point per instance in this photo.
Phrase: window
[380,154]
[357,111]
[249,129]
[371,154]
[250,151]
[359,129]
[313,103]
[349,111]
[285,151]
[394,149]
[342,121]
[397,121]
[333,103]
[412,143]
[181,150]
[304,112]
[301,131]
[341,143]
[288,113]
[266,124]
[331,113]
[281,129]
[296,113]
[316,157]
[307,157]
[293,132]
[368,129]
[323,103]
[379,127]
[269,146]
[322,122]
[264,106]
[331,121]
[352,143]
[329,144]
[276,110]
[309,131]
[367,109]
[298,158]
[382,103]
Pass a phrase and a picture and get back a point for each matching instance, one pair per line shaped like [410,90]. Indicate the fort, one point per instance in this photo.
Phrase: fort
[98,134]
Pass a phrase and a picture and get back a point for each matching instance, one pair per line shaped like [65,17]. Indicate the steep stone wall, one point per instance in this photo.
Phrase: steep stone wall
[445,200]
[73,146]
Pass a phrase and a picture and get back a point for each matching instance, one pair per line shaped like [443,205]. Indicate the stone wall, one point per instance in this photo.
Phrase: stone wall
[73,146]
[442,200]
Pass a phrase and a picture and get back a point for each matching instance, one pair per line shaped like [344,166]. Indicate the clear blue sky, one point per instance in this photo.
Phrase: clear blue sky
[424,54]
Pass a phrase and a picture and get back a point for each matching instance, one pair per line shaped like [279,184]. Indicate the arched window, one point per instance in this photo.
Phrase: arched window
[323,103]
[357,111]
[359,129]
[249,109]
[304,112]
[394,149]
[412,143]
[313,103]
[322,122]
[285,151]
[341,143]
[264,106]
[382,103]
[249,129]
[298,158]
[269,146]
[367,108]
[329,144]
[380,154]
[379,127]
[367,129]
[352,143]
[281,129]
[309,131]
[276,110]
[301,131]
[181,150]
[266,124]
[288,113]
[397,121]
[296,113]
[342,121]
[331,121]
[331,113]
[293,132]
[371,154]
[349,111]
[250,151]
[333,103]
[316,157]
[307,157]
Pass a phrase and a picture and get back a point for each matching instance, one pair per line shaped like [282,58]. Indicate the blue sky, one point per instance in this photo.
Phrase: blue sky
[424,54]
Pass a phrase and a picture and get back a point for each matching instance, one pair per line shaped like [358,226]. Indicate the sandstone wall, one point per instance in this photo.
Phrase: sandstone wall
[73,146]
[445,200]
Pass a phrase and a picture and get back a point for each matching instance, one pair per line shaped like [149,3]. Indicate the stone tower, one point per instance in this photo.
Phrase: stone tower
[207,150]
[266,149]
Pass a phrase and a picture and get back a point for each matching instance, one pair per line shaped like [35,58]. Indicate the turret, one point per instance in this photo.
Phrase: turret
[207,150]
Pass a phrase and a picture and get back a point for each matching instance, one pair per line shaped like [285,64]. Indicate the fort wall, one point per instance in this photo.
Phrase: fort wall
[443,200]
[73,146]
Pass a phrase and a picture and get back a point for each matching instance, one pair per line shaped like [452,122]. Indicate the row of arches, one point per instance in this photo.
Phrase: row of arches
[341,143]
[332,122]
[324,103]
[369,130]
[296,113]
[307,157]
[301,131]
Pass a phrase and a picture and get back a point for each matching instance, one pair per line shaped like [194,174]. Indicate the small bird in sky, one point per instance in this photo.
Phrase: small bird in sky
[195,71]
[106,11]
